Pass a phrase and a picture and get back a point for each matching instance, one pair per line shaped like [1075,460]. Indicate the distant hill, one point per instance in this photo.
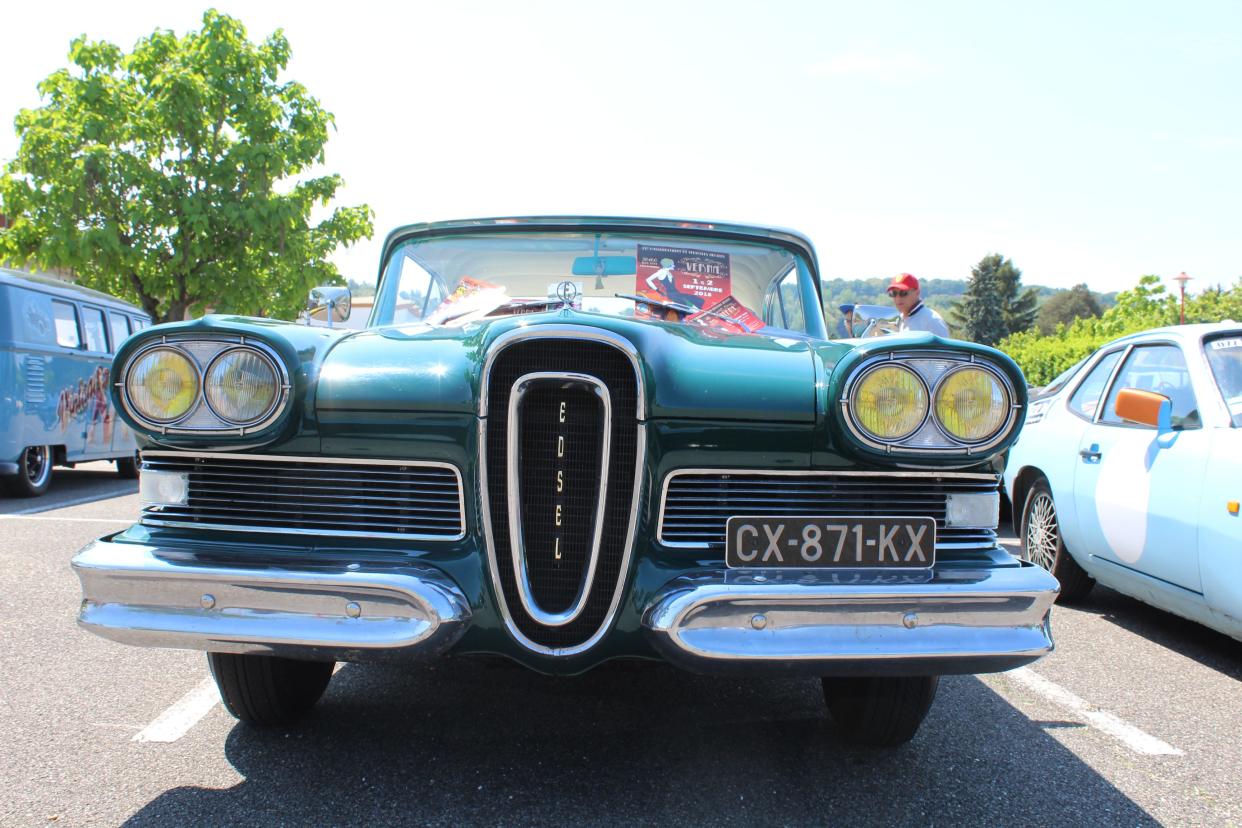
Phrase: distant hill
[937,293]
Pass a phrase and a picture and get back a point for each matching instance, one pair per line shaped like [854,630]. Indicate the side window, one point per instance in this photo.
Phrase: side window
[418,291]
[137,324]
[66,316]
[1159,368]
[93,325]
[786,310]
[1086,399]
[119,327]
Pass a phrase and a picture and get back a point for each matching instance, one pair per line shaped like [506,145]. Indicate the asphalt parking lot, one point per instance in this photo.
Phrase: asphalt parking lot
[1134,720]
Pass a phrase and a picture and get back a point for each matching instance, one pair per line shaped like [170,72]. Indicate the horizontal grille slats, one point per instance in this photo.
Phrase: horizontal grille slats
[697,506]
[276,494]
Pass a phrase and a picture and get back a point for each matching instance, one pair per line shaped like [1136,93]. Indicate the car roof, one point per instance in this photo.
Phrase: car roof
[1187,334]
[66,290]
[755,232]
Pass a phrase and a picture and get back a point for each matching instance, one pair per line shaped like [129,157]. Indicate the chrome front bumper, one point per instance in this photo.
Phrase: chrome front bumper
[774,621]
[143,595]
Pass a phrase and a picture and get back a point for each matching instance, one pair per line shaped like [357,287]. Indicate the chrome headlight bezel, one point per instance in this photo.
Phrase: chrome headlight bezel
[856,387]
[271,363]
[202,352]
[133,407]
[931,438]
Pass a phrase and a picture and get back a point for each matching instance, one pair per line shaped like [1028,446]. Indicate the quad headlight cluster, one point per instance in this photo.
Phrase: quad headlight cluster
[196,385]
[929,404]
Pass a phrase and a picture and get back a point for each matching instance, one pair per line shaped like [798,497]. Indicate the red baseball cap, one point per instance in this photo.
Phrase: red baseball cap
[903,281]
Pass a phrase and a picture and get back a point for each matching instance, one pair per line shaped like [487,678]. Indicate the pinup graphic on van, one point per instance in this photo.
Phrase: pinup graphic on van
[90,397]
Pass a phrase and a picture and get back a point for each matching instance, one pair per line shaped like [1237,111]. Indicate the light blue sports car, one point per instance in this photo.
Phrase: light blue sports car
[1129,472]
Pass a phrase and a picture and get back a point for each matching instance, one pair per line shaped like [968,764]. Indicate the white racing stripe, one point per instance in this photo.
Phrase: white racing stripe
[1102,720]
[177,720]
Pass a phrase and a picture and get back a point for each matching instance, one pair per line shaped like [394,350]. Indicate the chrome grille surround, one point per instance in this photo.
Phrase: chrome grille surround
[696,503]
[566,333]
[326,496]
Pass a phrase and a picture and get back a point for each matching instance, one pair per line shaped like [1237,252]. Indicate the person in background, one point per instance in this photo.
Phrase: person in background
[915,316]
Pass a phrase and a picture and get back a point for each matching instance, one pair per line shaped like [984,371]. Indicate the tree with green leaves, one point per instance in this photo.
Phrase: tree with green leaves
[994,304]
[177,175]
[1064,307]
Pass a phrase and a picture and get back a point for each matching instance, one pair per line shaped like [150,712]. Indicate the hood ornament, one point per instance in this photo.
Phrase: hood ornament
[567,292]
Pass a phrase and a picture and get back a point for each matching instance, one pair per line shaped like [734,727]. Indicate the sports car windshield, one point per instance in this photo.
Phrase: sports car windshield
[737,287]
[1225,357]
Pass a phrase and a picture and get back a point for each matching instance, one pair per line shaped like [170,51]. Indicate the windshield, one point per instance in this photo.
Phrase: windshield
[737,287]
[1225,357]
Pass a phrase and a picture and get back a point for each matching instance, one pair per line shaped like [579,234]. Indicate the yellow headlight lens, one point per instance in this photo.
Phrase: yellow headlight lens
[241,386]
[890,402]
[971,404]
[162,385]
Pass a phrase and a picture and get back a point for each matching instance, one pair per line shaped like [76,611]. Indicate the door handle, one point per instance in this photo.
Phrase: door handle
[1091,452]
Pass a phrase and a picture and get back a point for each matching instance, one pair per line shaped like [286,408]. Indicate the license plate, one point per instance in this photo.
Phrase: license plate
[831,542]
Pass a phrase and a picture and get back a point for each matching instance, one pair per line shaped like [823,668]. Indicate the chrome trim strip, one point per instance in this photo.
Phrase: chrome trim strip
[954,445]
[559,331]
[640,458]
[990,478]
[852,623]
[281,458]
[152,597]
[516,543]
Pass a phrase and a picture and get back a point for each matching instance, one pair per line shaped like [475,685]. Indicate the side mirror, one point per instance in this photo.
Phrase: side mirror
[875,320]
[1146,408]
[328,302]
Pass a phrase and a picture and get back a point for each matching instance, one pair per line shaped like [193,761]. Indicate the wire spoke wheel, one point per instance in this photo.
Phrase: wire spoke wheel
[1042,536]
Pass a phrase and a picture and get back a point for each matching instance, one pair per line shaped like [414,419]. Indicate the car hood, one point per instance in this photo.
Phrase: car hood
[687,372]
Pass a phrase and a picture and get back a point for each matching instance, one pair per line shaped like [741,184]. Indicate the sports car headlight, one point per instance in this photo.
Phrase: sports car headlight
[971,404]
[890,402]
[241,386]
[162,385]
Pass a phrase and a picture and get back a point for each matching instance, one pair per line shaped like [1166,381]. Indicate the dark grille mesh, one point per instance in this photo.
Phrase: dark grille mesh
[614,369]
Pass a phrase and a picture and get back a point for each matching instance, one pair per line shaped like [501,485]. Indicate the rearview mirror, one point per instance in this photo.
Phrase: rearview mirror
[605,266]
[329,302]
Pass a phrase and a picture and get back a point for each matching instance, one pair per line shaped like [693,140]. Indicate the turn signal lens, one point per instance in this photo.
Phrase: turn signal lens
[162,385]
[241,386]
[890,402]
[971,404]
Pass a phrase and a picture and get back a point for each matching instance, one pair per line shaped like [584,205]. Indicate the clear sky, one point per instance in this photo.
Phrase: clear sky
[1088,141]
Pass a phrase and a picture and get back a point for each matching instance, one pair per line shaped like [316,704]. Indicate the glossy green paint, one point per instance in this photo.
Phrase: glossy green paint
[687,371]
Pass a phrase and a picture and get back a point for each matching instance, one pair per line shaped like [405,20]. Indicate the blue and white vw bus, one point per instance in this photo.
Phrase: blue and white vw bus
[56,347]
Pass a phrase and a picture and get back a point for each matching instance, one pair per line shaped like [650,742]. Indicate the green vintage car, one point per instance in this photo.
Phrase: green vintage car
[566,440]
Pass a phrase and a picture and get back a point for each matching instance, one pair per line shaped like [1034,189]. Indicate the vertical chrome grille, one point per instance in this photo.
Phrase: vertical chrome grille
[552,583]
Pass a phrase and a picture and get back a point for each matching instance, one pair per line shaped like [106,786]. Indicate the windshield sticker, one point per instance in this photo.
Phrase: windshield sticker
[729,315]
[1222,344]
[697,278]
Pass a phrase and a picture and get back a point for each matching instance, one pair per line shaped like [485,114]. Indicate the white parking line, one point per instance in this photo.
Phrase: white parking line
[76,502]
[177,720]
[1114,726]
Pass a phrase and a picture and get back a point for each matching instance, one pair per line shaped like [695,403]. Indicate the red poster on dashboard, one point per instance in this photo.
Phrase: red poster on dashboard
[728,315]
[698,278]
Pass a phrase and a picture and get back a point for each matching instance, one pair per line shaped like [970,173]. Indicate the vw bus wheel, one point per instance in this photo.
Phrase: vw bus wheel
[34,472]
[1042,543]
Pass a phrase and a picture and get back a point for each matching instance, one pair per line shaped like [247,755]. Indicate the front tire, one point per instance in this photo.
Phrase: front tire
[267,690]
[1042,543]
[127,468]
[879,711]
[34,472]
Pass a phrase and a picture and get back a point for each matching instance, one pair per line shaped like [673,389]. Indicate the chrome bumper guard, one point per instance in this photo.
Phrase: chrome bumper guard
[774,621]
[150,597]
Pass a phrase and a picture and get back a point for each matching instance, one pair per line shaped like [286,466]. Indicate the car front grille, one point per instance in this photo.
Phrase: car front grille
[697,504]
[328,497]
[552,583]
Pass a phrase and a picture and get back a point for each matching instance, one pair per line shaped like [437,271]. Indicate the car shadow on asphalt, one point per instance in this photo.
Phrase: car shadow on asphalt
[1189,638]
[471,742]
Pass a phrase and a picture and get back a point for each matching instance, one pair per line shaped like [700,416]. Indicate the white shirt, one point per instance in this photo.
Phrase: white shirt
[923,318]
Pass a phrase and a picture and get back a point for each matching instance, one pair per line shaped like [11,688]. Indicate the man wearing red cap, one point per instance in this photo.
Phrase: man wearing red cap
[915,316]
